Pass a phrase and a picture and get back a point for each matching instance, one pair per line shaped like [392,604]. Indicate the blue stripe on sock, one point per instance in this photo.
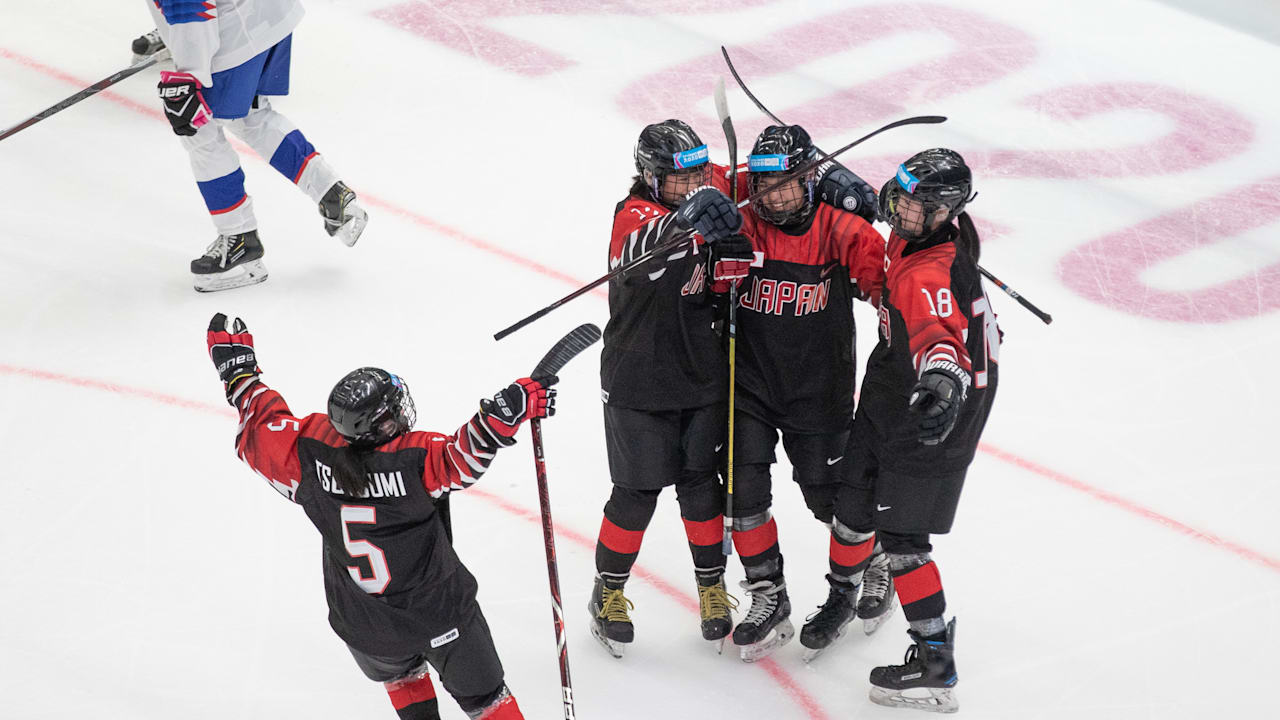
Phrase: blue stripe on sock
[293,151]
[224,192]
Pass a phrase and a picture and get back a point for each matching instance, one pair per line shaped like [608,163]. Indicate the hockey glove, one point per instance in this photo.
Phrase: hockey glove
[840,188]
[524,399]
[184,104]
[937,398]
[710,212]
[731,260]
[231,349]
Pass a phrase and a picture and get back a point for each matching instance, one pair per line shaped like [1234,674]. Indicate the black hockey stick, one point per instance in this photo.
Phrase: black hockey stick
[674,236]
[731,137]
[579,339]
[1046,317]
[99,86]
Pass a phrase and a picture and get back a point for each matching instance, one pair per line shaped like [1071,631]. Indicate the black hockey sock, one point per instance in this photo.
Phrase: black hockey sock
[626,516]
[701,502]
[850,552]
[919,588]
[758,549]
[414,700]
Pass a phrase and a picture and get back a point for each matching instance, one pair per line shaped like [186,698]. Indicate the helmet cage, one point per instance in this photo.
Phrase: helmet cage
[796,197]
[936,179]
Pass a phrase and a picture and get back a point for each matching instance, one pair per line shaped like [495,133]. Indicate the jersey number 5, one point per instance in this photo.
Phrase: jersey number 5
[363,548]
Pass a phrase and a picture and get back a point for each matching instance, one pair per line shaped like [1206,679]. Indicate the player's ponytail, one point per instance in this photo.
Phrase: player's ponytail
[968,240]
[349,472]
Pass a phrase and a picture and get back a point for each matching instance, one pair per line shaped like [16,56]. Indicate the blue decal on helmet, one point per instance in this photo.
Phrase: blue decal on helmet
[690,158]
[906,180]
[767,163]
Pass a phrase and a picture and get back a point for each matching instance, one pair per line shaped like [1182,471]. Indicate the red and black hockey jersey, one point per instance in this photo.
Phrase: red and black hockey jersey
[934,310]
[795,364]
[392,580]
[661,349]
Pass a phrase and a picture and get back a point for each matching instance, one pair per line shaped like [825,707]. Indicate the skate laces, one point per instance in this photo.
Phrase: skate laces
[715,601]
[219,250]
[763,600]
[875,581]
[828,613]
[614,605]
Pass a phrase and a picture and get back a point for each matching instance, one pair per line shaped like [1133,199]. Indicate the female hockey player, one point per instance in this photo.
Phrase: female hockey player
[663,373]
[228,56]
[795,366]
[398,595]
[925,399]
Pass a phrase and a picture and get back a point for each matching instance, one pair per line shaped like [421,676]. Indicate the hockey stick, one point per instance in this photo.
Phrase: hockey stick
[669,240]
[1046,317]
[731,137]
[579,339]
[99,86]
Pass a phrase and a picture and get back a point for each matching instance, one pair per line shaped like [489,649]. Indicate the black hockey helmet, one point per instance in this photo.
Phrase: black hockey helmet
[781,149]
[938,178]
[370,406]
[668,147]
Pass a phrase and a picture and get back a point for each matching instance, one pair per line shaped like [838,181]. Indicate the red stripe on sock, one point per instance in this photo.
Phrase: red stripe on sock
[233,207]
[618,540]
[918,584]
[298,177]
[420,690]
[705,532]
[753,542]
[851,555]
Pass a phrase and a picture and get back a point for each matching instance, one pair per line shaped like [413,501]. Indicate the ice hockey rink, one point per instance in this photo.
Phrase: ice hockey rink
[1116,553]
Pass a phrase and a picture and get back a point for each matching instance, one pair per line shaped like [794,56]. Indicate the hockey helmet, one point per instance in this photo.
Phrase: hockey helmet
[370,406]
[779,150]
[937,179]
[671,147]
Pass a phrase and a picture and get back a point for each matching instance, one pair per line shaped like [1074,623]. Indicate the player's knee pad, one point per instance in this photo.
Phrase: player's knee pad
[751,490]
[821,500]
[745,523]
[498,705]
[848,535]
[905,551]
[699,496]
[631,509]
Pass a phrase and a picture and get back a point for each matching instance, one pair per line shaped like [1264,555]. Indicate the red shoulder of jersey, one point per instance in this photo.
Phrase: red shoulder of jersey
[920,288]
[632,221]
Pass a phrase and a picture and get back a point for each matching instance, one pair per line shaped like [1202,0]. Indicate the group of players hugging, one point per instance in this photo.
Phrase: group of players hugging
[883,479]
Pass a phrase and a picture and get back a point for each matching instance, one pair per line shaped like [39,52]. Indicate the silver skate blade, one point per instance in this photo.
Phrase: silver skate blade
[719,644]
[779,636]
[870,625]
[939,700]
[811,654]
[250,273]
[353,228]
[614,647]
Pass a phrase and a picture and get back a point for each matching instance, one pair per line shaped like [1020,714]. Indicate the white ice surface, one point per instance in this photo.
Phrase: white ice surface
[1116,553]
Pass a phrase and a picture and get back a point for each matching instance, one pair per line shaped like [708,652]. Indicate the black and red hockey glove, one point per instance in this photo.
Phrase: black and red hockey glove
[731,260]
[524,399]
[231,349]
[937,399]
[184,104]
[710,212]
[840,188]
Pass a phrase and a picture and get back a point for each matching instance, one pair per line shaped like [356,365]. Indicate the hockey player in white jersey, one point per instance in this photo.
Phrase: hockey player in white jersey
[228,56]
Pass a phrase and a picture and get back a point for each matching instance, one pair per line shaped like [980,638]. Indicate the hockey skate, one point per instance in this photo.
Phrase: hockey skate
[610,621]
[343,218]
[715,604]
[146,45]
[878,599]
[232,261]
[767,625]
[928,674]
[825,626]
